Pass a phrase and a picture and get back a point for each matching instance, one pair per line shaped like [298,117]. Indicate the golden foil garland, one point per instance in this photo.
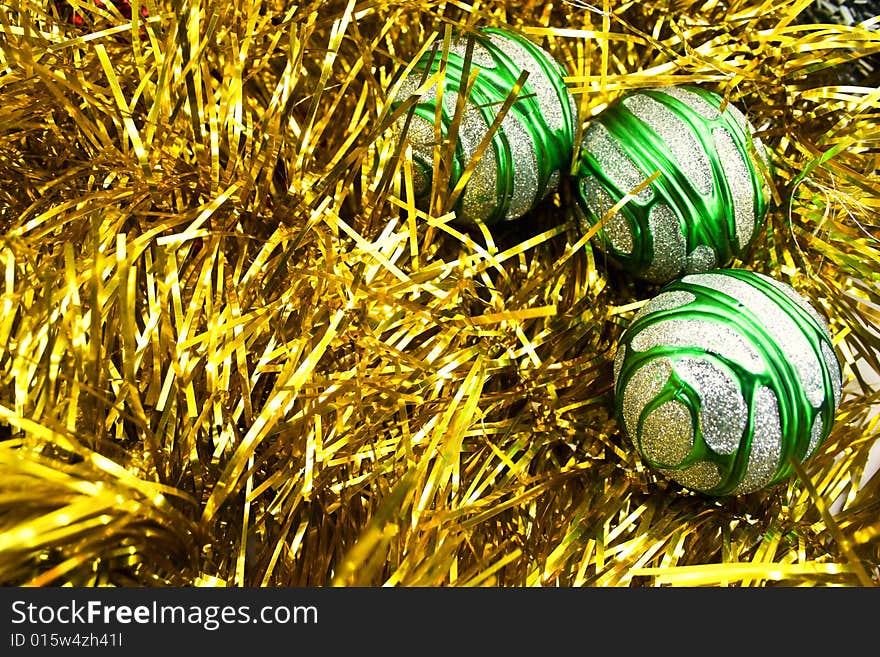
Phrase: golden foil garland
[234,353]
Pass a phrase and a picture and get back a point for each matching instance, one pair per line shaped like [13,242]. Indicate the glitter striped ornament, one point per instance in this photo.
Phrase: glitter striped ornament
[708,201]
[723,377]
[535,141]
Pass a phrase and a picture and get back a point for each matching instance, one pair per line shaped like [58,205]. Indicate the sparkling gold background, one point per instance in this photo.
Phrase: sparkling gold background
[233,351]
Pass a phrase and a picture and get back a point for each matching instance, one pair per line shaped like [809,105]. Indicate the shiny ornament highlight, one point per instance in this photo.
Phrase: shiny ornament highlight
[708,201]
[534,143]
[723,377]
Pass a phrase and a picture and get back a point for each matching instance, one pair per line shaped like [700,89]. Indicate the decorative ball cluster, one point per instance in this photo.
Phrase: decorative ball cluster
[708,199]
[725,376]
[524,159]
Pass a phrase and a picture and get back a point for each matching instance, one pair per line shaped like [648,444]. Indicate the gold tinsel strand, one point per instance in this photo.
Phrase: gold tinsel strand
[234,352]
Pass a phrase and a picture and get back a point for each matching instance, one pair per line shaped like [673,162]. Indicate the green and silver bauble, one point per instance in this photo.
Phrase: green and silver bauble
[534,142]
[708,201]
[724,377]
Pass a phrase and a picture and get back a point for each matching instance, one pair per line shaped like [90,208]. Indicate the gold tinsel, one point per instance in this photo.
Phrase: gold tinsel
[234,352]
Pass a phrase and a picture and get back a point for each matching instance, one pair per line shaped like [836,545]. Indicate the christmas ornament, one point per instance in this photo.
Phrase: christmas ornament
[723,377]
[709,199]
[535,140]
